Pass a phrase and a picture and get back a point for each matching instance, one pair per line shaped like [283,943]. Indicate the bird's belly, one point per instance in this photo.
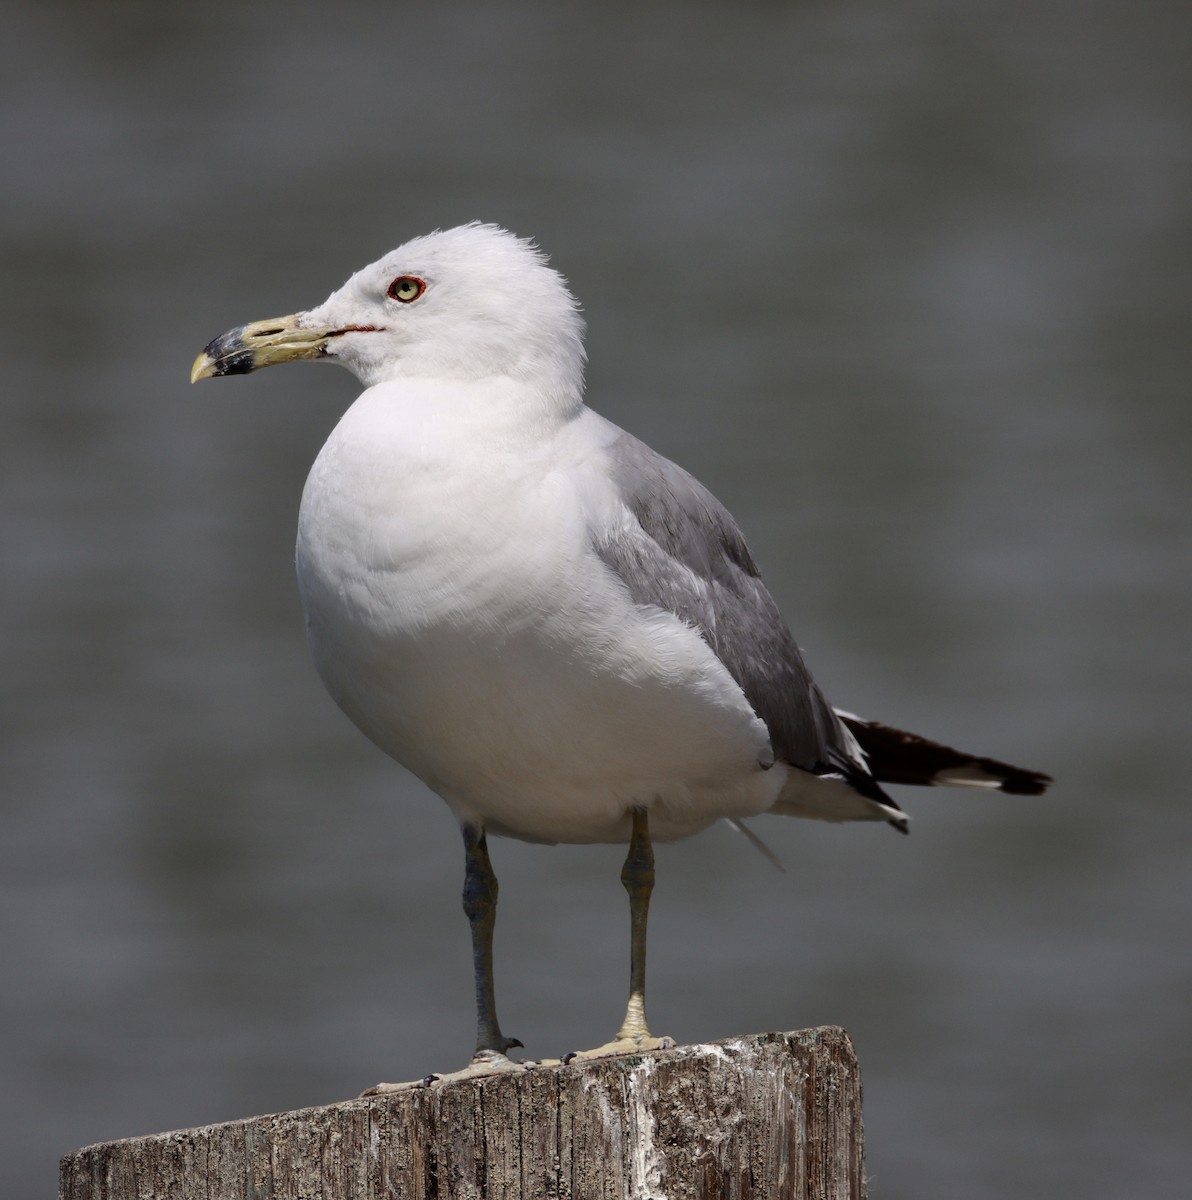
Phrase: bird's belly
[530,692]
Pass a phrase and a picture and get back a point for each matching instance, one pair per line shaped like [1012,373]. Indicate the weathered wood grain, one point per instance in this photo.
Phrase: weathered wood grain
[774,1116]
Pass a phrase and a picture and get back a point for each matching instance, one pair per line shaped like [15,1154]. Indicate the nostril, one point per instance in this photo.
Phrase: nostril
[259,333]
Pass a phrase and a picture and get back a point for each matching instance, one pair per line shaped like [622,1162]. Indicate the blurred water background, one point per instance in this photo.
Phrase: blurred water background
[906,285]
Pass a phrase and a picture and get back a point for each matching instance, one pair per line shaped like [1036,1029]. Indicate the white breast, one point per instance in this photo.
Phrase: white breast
[457,614]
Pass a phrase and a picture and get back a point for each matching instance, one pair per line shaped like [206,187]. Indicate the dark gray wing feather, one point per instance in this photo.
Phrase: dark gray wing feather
[687,556]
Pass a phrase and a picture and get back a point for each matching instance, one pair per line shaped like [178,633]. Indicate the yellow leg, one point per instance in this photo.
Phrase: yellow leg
[638,877]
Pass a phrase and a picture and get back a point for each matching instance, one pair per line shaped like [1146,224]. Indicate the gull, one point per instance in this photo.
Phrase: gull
[562,633]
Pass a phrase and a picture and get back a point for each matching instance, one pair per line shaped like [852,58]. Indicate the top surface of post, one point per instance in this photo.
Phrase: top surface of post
[771,1115]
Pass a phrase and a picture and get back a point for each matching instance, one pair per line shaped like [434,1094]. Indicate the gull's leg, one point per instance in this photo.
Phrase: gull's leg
[480,905]
[638,877]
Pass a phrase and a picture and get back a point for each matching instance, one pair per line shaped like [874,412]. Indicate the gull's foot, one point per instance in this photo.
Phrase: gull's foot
[485,1062]
[627,1045]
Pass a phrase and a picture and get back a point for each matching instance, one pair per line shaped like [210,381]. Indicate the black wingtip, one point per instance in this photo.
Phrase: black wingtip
[1017,781]
[895,756]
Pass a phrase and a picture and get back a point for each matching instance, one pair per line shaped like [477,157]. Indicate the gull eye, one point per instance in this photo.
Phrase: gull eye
[405,289]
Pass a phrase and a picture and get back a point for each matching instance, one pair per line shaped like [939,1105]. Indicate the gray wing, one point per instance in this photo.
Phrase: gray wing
[687,556]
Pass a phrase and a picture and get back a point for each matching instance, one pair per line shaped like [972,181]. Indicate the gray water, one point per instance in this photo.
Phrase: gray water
[906,285]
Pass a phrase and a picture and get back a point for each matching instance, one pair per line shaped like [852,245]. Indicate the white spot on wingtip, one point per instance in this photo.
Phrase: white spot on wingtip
[966,777]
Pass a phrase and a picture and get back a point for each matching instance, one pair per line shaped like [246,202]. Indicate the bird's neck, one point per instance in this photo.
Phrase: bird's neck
[495,412]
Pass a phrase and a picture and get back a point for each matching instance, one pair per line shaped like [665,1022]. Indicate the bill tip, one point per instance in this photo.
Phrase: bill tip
[204,367]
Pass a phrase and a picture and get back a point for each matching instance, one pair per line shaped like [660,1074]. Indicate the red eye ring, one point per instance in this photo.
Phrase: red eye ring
[405,289]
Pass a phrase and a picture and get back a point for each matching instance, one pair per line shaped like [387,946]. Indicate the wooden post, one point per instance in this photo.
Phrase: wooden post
[767,1117]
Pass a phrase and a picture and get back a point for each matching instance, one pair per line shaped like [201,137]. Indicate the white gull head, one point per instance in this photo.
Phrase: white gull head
[464,303]
[467,304]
